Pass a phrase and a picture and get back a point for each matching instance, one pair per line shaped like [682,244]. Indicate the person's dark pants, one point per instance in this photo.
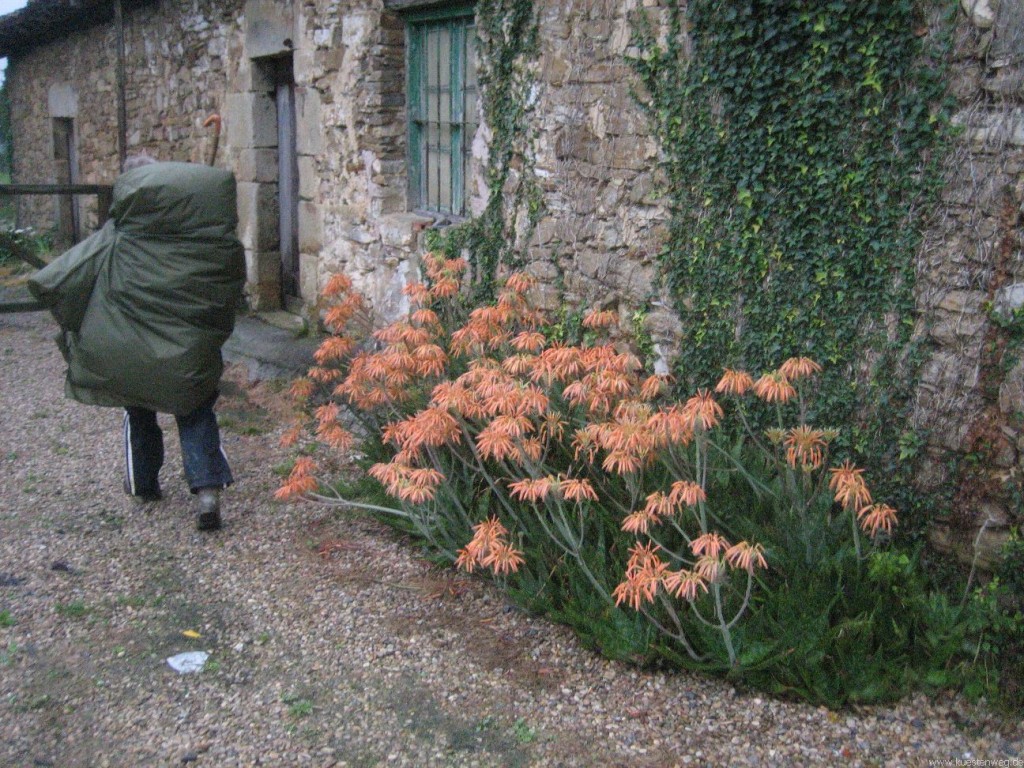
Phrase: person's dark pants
[206,465]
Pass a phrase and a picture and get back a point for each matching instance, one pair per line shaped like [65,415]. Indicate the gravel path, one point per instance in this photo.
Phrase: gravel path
[331,643]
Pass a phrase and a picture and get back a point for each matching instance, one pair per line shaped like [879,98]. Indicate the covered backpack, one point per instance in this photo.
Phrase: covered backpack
[145,303]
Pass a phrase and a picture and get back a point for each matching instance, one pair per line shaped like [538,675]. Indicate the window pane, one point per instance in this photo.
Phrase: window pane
[444,162]
[444,71]
[444,74]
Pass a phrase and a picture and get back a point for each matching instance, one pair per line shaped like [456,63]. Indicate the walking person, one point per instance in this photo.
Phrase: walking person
[144,306]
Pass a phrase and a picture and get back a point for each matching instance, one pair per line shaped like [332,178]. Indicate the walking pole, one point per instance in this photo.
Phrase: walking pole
[215,121]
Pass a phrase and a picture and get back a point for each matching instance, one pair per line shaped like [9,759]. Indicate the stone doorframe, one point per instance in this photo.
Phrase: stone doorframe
[62,106]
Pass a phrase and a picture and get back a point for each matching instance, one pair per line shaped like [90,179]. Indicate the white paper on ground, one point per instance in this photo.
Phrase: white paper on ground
[187,663]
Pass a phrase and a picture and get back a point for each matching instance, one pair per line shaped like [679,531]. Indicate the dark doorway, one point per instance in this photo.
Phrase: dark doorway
[288,179]
[66,172]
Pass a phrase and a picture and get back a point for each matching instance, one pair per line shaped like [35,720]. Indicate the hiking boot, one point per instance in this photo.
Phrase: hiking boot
[147,497]
[208,516]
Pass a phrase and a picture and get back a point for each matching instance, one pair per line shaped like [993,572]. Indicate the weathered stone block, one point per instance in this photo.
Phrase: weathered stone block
[62,100]
[981,12]
[309,136]
[258,216]
[259,165]
[960,544]
[311,230]
[269,28]
[1008,300]
[309,180]
[1011,391]
[401,230]
[250,119]
[309,288]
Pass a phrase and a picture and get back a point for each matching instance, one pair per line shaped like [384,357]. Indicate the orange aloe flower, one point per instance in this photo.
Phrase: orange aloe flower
[425,317]
[512,425]
[520,282]
[642,556]
[495,444]
[600,318]
[324,375]
[659,505]
[489,531]
[414,494]
[335,435]
[430,360]
[734,382]
[774,388]
[418,294]
[518,365]
[799,368]
[709,545]
[529,451]
[552,427]
[558,363]
[585,444]
[333,348]
[848,483]
[633,592]
[686,492]
[653,386]
[531,490]
[528,400]
[877,517]
[337,317]
[453,396]
[467,558]
[622,462]
[640,521]
[302,389]
[708,568]
[577,490]
[644,572]
[300,481]
[339,283]
[445,288]
[746,556]
[685,584]
[702,411]
[670,427]
[529,341]
[291,435]
[503,558]
[805,446]
[433,426]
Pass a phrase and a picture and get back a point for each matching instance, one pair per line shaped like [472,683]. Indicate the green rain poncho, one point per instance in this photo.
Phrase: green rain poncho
[146,303]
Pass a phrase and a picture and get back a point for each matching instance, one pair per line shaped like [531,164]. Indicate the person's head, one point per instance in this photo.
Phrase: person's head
[138,160]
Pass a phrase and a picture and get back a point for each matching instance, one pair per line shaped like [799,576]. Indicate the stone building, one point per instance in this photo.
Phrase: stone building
[354,125]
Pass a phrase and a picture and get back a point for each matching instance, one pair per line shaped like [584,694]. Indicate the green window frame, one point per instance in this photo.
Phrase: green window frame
[443,113]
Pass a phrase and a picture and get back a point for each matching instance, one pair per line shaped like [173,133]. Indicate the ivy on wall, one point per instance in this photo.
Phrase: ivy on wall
[797,137]
[509,43]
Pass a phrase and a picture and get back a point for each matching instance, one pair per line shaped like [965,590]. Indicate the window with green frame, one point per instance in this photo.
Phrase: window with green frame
[442,103]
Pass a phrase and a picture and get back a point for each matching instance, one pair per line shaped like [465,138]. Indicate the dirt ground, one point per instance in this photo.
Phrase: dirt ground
[331,641]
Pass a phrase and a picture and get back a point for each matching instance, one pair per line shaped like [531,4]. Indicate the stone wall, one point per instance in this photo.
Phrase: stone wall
[175,56]
[597,164]
[593,156]
[970,283]
[44,85]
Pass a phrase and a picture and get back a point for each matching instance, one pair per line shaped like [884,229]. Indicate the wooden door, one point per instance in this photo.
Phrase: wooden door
[288,181]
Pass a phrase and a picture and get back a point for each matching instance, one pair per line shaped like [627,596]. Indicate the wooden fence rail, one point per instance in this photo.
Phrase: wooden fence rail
[104,197]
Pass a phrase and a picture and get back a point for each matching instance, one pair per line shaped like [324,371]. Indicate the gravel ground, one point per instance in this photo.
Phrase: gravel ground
[331,643]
